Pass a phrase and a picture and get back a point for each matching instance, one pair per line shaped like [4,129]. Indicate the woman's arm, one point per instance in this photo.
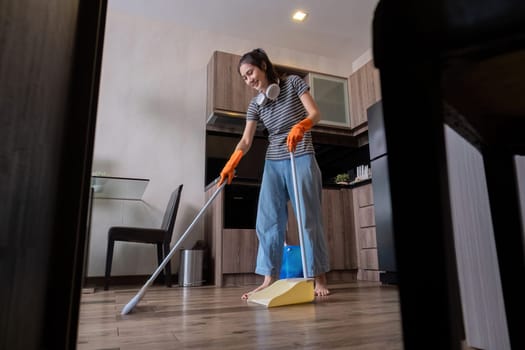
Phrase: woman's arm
[311,107]
[313,117]
[247,136]
[242,147]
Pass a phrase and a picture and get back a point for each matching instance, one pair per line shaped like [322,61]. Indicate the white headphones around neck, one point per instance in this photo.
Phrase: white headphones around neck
[271,93]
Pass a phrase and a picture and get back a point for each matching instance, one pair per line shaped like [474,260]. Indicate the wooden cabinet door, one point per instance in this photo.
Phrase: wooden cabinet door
[338,228]
[227,92]
[365,232]
[292,232]
[334,228]
[239,250]
[357,116]
[351,247]
[365,90]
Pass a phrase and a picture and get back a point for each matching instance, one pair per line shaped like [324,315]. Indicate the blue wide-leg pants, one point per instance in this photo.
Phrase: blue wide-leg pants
[272,215]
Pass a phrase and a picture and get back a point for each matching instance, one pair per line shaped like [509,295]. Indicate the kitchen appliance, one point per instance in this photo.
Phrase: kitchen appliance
[381,190]
[240,205]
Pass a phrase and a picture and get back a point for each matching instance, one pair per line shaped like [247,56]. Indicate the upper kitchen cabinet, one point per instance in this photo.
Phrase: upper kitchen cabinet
[331,95]
[227,92]
[228,98]
[365,90]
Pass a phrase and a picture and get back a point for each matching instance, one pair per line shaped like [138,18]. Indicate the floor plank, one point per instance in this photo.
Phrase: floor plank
[360,315]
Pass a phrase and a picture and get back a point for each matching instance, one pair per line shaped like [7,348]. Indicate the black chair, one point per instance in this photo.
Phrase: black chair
[158,236]
[470,55]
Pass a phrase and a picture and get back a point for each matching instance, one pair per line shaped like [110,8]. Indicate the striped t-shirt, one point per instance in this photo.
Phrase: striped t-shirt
[280,115]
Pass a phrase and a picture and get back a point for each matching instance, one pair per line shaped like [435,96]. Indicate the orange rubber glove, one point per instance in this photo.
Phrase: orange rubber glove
[230,166]
[296,134]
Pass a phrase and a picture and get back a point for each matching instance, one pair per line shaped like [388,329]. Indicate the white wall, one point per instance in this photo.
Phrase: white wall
[362,60]
[151,123]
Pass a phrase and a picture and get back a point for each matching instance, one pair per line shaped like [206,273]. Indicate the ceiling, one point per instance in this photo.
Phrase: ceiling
[338,29]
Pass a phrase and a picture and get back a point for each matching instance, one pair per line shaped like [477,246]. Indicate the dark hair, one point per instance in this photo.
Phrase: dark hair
[259,58]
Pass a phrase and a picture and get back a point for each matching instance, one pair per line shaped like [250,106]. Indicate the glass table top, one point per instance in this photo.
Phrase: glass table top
[109,187]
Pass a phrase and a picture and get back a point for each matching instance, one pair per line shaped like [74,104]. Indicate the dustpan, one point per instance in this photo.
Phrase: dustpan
[290,290]
[287,291]
[291,266]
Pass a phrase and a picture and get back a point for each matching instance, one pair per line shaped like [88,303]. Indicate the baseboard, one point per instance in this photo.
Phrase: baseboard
[341,276]
[131,280]
[335,276]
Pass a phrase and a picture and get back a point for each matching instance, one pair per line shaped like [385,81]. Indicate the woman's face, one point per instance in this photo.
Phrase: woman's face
[254,76]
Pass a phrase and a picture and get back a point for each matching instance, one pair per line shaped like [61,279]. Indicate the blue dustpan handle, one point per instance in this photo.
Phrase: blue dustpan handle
[298,214]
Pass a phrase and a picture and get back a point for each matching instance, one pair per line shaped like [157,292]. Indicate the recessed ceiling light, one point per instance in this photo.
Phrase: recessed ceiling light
[299,16]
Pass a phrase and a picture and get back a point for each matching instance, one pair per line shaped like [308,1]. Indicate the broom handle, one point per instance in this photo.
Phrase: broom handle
[186,233]
[140,294]
[298,213]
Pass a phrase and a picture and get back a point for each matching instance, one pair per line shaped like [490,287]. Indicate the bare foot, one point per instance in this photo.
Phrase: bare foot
[321,285]
[267,281]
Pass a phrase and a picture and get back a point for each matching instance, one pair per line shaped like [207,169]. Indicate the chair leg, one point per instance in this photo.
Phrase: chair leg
[160,257]
[167,270]
[109,260]
[430,271]
[508,235]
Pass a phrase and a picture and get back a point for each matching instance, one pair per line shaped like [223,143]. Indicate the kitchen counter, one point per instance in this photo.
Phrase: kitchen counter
[350,185]
[235,181]
[325,185]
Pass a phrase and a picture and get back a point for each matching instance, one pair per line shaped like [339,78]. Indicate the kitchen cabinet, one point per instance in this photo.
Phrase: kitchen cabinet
[234,250]
[228,98]
[339,236]
[365,90]
[239,249]
[364,219]
[331,95]
[227,93]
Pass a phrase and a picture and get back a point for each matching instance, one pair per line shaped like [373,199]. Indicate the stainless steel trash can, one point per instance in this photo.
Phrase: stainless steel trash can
[190,268]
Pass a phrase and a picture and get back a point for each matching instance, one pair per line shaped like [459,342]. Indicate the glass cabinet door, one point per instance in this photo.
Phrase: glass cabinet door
[331,95]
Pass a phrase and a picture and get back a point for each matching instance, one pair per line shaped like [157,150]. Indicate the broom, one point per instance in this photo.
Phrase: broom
[135,300]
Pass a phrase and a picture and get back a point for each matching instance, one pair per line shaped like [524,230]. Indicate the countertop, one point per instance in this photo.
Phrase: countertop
[350,185]
[325,185]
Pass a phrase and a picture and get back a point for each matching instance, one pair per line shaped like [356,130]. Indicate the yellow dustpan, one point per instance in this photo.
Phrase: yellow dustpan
[285,292]
[291,290]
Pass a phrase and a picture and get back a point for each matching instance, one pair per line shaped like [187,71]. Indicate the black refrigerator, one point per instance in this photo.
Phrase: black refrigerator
[381,190]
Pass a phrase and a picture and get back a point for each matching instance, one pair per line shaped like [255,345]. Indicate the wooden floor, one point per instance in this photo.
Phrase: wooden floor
[360,316]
